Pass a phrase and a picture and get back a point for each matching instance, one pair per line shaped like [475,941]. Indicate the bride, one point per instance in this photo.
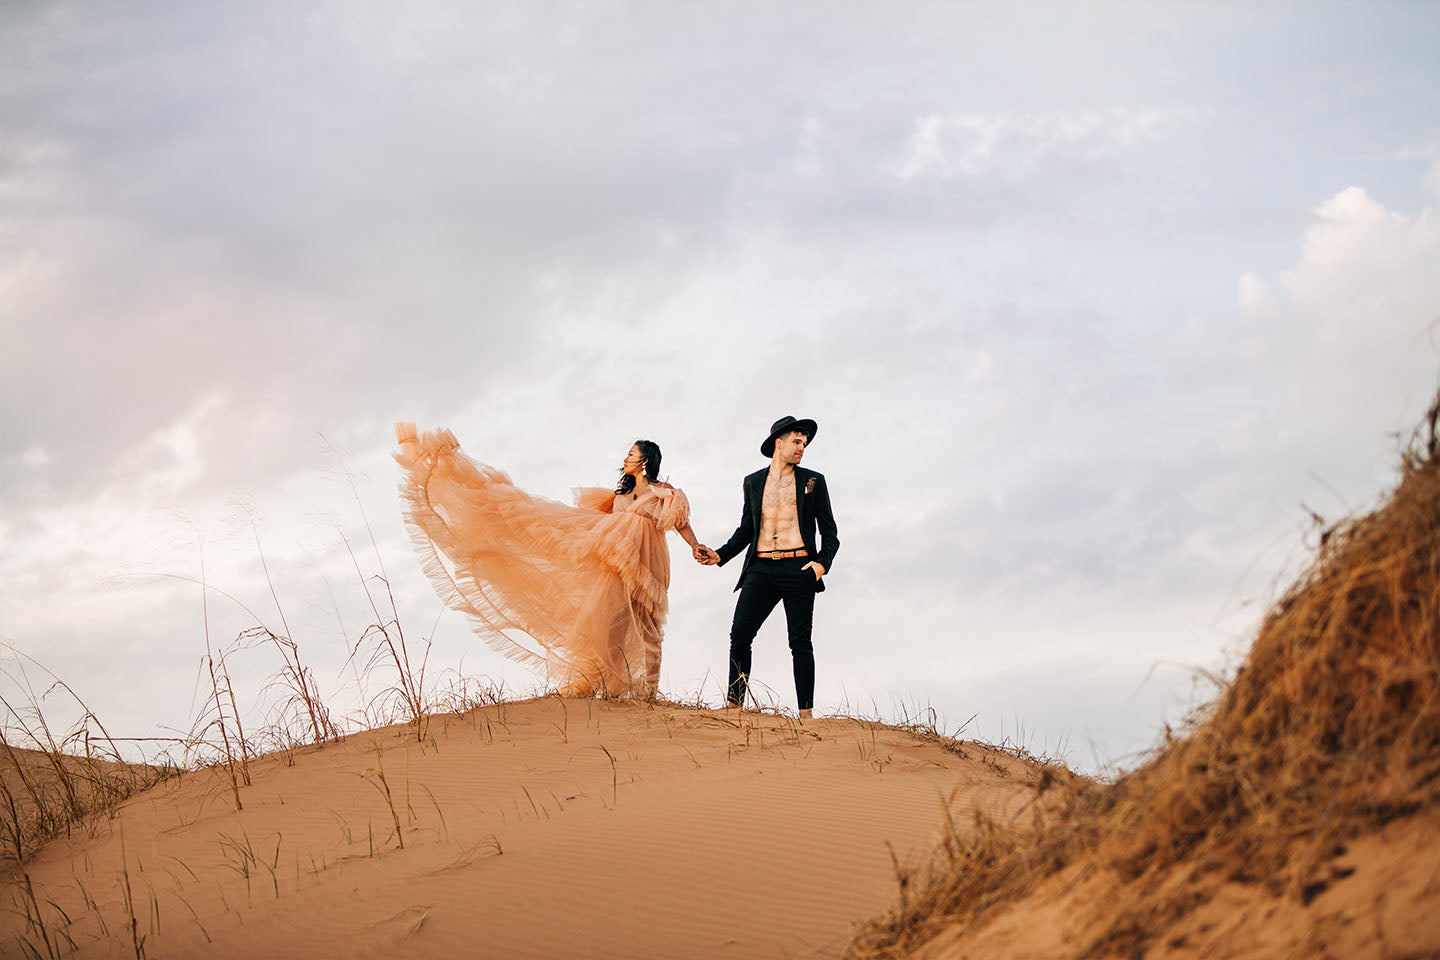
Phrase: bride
[578,592]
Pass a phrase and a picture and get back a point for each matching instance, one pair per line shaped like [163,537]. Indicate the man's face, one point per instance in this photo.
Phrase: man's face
[791,447]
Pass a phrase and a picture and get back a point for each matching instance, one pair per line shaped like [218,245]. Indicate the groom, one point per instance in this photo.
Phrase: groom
[785,504]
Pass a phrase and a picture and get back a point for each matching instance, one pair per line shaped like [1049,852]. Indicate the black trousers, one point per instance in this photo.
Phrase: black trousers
[767,583]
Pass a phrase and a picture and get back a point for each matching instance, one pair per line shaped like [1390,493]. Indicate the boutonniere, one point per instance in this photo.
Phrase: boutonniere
[810,485]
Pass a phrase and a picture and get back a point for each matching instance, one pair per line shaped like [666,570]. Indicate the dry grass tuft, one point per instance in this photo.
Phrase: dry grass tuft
[47,792]
[54,781]
[1330,729]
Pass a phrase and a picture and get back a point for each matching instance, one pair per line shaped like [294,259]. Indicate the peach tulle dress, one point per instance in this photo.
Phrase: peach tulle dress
[578,592]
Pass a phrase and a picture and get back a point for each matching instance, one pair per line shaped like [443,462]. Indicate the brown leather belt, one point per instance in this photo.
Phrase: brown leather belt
[782,554]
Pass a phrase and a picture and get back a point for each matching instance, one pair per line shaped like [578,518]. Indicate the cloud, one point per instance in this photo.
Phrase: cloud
[1255,296]
[35,457]
[1016,145]
[1362,258]
[1360,312]
[276,209]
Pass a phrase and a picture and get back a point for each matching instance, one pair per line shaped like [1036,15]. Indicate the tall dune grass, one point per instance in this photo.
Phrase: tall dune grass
[53,781]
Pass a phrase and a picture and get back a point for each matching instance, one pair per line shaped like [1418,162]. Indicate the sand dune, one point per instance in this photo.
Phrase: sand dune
[544,828]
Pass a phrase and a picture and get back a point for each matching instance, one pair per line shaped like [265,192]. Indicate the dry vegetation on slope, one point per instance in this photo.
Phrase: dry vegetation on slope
[1327,739]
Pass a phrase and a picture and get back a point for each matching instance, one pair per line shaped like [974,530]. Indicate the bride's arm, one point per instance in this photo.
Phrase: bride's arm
[675,514]
[688,536]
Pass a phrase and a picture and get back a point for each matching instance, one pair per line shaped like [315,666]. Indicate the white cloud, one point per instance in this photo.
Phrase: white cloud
[1013,145]
[1255,295]
[1361,313]
[1369,263]
[169,459]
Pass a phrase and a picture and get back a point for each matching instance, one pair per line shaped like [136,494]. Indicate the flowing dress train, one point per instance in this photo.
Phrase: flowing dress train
[577,592]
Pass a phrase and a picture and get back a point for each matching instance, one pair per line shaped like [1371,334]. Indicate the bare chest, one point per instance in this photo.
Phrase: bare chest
[779,518]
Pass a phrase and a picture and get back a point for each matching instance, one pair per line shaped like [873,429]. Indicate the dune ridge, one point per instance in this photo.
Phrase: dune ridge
[543,828]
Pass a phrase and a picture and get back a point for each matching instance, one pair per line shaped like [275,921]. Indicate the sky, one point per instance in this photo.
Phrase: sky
[1095,305]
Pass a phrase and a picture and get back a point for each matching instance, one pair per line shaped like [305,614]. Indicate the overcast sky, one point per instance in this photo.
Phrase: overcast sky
[1092,302]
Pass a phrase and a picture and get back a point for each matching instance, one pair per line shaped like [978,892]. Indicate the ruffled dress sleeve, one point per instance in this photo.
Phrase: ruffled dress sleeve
[674,508]
[594,498]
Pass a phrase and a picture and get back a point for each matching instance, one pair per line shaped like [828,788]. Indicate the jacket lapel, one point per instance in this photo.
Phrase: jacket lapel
[757,495]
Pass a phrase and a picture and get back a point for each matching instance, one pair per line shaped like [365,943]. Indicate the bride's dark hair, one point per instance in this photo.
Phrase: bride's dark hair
[650,452]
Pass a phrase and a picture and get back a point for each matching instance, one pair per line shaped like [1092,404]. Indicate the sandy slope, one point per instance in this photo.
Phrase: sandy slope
[1380,904]
[548,828]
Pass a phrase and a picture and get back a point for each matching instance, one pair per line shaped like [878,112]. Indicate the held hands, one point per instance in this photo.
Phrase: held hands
[818,567]
[704,555]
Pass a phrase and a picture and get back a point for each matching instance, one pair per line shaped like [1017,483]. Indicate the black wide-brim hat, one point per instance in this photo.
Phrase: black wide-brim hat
[783,426]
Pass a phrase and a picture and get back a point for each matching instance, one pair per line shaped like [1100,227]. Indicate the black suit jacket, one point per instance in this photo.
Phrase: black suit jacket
[812,506]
